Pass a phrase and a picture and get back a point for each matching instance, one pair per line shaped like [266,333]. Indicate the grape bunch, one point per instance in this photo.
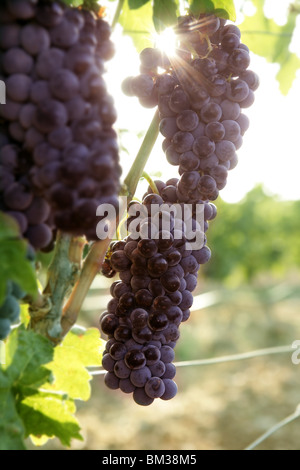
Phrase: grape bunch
[58,112]
[158,272]
[17,199]
[10,309]
[200,95]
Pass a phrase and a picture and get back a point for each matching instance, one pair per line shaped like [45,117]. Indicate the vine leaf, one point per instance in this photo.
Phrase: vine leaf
[133,4]
[73,3]
[12,431]
[51,415]
[14,263]
[138,24]
[70,361]
[25,356]
[27,407]
[165,14]
[223,8]
[267,39]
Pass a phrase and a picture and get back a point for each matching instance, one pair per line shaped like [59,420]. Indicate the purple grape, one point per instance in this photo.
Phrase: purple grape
[39,235]
[22,10]
[117,351]
[40,91]
[187,121]
[182,141]
[18,87]
[126,386]
[49,60]
[237,90]
[34,38]
[167,354]
[140,377]
[203,146]
[16,60]
[17,197]
[159,368]
[121,370]
[64,84]
[142,86]
[225,150]
[170,371]
[64,34]
[243,122]
[9,35]
[155,387]
[170,389]
[168,127]
[111,381]
[38,211]
[230,110]
[141,398]
[232,130]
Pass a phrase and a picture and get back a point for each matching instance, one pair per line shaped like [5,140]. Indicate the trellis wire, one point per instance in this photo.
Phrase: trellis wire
[223,359]
[274,428]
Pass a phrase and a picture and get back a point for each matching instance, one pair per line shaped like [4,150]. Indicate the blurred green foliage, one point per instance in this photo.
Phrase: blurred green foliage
[258,235]
[266,38]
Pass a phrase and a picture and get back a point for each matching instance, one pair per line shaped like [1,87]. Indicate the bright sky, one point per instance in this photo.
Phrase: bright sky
[270,153]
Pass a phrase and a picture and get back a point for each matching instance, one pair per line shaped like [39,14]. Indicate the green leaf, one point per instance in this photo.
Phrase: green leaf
[138,25]
[26,353]
[221,8]
[164,14]
[51,415]
[8,227]
[70,361]
[134,4]
[270,40]
[73,3]
[12,430]
[24,315]
[14,263]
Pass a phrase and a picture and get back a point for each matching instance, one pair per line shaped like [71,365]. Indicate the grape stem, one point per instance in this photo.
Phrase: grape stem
[96,256]
[136,171]
[117,13]
[63,273]
[151,182]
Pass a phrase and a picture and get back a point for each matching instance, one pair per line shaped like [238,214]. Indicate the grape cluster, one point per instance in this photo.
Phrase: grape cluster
[200,96]
[17,199]
[58,110]
[158,273]
[10,309]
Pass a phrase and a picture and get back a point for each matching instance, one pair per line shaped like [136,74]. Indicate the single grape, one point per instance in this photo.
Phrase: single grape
[141,398]
[155,387]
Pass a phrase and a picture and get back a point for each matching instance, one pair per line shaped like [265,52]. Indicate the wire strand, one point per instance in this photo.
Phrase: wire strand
[273,429]
[224,359]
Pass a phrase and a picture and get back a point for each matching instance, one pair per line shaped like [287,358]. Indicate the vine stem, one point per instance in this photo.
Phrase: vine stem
[117,13]
[274,429]
[61,277]
[224,359]
[90,270]
[136,171]
[97,253]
